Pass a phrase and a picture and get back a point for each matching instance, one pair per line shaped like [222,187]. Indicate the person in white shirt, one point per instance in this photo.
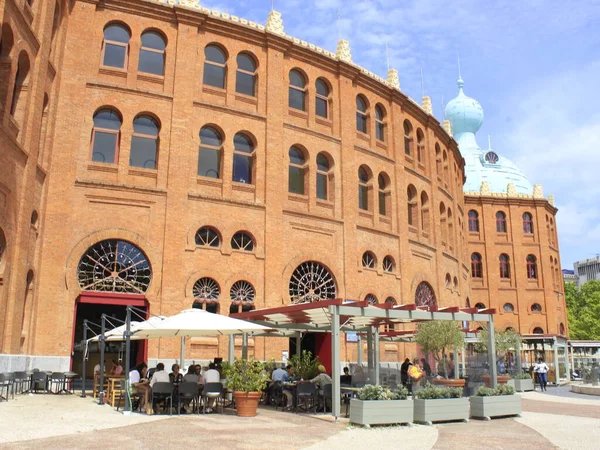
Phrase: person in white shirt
[542,373]
[212,375]
[160,376]
[139,383]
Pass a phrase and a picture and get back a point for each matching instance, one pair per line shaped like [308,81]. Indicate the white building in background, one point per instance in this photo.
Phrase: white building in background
[586,270]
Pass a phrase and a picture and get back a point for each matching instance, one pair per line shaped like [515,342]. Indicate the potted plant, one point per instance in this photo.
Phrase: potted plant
[305,366]
[505,341]
[247,379]
[380,405]
[523,382]
[498,402]
[440,404]
[439,338]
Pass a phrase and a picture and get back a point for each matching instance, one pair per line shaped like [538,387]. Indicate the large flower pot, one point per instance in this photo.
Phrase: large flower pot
[495,406]
[449,382]
[380,412]
[441,410]
[246,403]
[524,384]
[502,379]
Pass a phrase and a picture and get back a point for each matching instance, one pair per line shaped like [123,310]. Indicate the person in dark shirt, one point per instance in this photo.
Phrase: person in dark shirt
[426,367]
[346,378]
[404,378]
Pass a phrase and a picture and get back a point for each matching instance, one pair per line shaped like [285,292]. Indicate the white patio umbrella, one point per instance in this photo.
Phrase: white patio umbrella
[118,334]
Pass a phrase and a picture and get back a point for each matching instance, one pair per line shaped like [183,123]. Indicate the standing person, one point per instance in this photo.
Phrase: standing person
[542,374]
[426,367]
[404,378]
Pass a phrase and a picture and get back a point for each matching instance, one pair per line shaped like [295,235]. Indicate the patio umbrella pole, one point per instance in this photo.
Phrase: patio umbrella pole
[335,362]
[101,342]
[245,346]
[127,409]
[231,355]
[84,344]
[182,353]
[359,349]
[492,353]
[376,354]
[456,366]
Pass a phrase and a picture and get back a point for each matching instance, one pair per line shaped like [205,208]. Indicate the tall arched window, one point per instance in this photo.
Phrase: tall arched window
[380,122]
[245,75]
[106,136]
[450,229]
[527,223]
[2,245]
[500,222]
[17,106]
[322,98]
[364,185]
[552,233]
[368,260]
[445,166]
[144,143]
[383,182]
[425,212]
[476,266]
[532,272]
[243,159]
[420,146]
[424,295]
[297,171]
[438,160]
[152,53]
[297,91]
[411,194]
[115,48]
[215,66]
[473,221]
[323,175]
[210,153]
[443,224]
[504,266]
[361,114]
[408,138]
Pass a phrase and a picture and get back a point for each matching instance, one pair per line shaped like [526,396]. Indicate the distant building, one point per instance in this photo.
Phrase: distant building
[569,276]
[586,270]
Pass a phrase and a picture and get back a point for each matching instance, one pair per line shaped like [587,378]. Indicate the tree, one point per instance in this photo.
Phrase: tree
[583,310]
[505,341]
[438,337]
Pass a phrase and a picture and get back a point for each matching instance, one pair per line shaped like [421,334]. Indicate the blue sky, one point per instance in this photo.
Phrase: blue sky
[534,65]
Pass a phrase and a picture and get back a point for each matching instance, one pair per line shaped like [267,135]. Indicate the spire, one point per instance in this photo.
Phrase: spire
[343,51]
[275,23]
[460,81]
[489,142]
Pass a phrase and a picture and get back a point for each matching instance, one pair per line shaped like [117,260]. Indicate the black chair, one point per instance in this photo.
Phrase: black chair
[135,397]
[4,385]
[21,379]
[57,381]
[188,392]
[306,397]
[276,395]
[212,391]
[39,381]
[327,396]
[161,392]
[10,380]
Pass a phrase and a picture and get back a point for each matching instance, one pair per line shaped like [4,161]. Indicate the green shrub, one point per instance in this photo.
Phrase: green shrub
[484,391]
[431,392]
[501,389]
[522,376]
[378,392]
[245,375]
[305,366]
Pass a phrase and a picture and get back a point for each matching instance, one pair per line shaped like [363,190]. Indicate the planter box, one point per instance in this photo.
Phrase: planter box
[441,410]
[495,406]
[525,384]
[380,412]
[511,382]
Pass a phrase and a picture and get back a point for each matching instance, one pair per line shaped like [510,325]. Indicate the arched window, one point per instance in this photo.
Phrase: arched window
[371,299]
[215,66]
[476,266]
[34,218]
[152,53]
[380,122]
[552,233]
[455,283]
[450,229]
[114,266]
[361,114]
[210,153]
[445,165]
[411,194]
[242,241]
[243,159]
[500,222]
[368,260]
[115,48]
[383,182]
[144,143]
[364,184]
[55,24]
[206,292]
[297,171]
[425,212]
[538,330]
[443,224]
[207,237]
[508,308]
[527,223]
[20,88]
[536,308]
[448,281]
[504,266]
[438,160]
[473,221]
[106,135]
[245,76]
[242,296]
[311,282]
[408,138]
[561,329]
[532,267]
[297,91]
[323,175]
[479,306]
[388,264]
[2,245]
[420,145]
[322,98]
[424,295]
[391,300]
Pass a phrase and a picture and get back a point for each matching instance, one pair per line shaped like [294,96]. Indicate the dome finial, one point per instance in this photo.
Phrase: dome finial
[460,82]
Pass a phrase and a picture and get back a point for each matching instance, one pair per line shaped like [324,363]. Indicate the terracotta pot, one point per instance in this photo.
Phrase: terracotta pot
[448,382]
[502,379]
[246,403]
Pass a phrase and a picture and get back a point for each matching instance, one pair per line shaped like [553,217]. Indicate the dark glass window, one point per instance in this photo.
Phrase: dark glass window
[245,81]
[473,221]
[361,114]
[105,136]
[322,177]
[116,46]
[242,241]
[363,188]
[476,266]
[296,171]
[215,66]
[383,192]
[388,264]
[368,260]
[508,307]
[297,91]
[532,267]
[208,237]
[144,143]
[209,154]
[527,223]
[152,53]
[243,159]
[408,139]
[500,222]
[504,266]
[322,98]
[379,123]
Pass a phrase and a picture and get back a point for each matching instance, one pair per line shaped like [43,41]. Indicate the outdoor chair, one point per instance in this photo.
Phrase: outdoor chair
[39,381]
[212,391]
[306,397]
[161,392]
[276,395]
[135,397]
[57,381]
[4,385]
[21,379]
[188,392]
[327,397]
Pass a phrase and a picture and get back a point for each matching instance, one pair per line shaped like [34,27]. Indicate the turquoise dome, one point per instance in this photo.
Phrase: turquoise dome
[466,116]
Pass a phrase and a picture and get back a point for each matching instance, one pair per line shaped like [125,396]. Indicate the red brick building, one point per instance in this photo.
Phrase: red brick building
[167,156]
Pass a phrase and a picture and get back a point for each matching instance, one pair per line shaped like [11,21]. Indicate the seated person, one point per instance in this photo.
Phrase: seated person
[212,375]
[321,379]
[346,378]
[192,375]
[175,376]
[117,369]
[140,384]
[160,375]
[280,374]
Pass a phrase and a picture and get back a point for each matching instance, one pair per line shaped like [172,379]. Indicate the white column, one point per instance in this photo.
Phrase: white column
[231,353]
[335,363]
[182,353]
[492,352]
[376,354]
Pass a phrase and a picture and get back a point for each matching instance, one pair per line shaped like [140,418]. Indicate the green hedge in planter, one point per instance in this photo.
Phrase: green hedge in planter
[378,392]
[431,392]
[501,389]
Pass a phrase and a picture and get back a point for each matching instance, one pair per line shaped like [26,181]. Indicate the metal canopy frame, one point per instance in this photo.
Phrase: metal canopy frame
[340,315]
